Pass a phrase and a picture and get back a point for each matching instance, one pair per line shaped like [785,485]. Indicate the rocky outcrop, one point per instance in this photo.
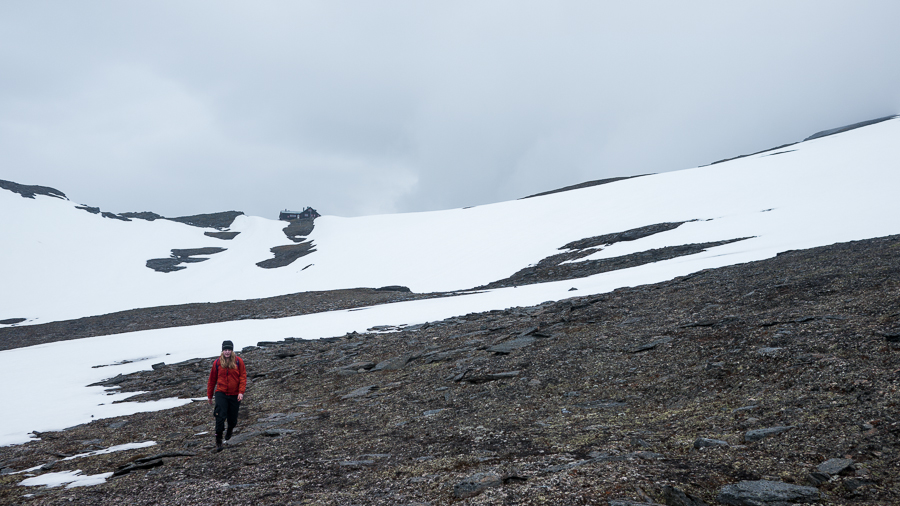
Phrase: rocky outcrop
[220,220]
[225,236]
[567,266]
[286,255]
[847,128]
[144,215]
[29,191]
[181,256]
[298,230]
[586,184]
[96,210]
[763,493]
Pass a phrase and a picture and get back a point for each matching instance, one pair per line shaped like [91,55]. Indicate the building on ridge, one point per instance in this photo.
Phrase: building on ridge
[307,213]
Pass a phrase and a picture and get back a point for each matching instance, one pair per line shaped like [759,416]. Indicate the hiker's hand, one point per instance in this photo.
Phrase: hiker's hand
[209,400]
[240,397]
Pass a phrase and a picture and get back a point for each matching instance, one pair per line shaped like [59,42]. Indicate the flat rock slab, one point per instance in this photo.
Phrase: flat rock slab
[769,351]
[757,434]
[763,492]
[392,364]
[703,442]
[835,466]
[489,377]
[360,392]
[512,345]
[476,484]
[243,436]
[355,366]
[649,346]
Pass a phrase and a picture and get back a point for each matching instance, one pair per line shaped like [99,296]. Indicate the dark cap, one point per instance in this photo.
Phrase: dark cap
[227,345]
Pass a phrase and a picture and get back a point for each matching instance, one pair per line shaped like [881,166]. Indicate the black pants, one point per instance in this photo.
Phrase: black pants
[227,407]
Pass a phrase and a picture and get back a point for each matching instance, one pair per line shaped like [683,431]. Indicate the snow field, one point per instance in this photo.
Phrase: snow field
[67,263]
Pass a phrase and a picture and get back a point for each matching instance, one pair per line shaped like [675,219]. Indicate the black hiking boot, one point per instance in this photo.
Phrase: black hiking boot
[219,446]
[228,433]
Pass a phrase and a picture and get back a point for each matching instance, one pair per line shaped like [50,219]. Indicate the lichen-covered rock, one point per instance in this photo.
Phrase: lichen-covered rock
[703,442]
[764,493]
[758,434]
[476,484]
[835,466]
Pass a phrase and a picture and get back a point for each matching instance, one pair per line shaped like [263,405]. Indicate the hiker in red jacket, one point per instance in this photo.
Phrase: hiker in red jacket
[228,380]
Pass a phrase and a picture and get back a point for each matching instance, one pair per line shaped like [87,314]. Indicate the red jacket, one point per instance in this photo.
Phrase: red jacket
[230,381]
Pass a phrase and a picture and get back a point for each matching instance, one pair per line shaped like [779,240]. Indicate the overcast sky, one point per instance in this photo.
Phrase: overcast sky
[358,108]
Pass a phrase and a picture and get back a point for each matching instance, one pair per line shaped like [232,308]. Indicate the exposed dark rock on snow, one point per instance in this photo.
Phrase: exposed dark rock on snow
[823,133]
[832,131]
[29,191]
[181,256]
[143,215]
[285,255]
[584,419]
[751,154]
[225,236]
[298,230]
[96,210]
[12,321]
[220,220]
[187,253]
[586,184]
[553,269]
[628,235]
[165,264]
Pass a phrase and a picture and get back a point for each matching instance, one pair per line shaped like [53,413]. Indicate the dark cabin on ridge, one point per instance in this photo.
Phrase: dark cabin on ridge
[306,214]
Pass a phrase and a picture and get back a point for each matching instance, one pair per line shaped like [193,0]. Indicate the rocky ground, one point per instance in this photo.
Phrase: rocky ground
[561,266]
[774,382]
[200,313]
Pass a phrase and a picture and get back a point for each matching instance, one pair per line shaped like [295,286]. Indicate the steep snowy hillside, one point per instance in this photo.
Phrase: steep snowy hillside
[59,262]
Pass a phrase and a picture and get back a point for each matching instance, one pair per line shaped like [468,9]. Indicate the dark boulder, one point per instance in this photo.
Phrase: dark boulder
[763,492]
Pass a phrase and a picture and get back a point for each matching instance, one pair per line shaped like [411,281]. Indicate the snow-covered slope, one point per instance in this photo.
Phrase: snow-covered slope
[58,262]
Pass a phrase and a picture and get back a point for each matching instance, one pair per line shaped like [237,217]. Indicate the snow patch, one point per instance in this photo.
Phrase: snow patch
[69,478]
